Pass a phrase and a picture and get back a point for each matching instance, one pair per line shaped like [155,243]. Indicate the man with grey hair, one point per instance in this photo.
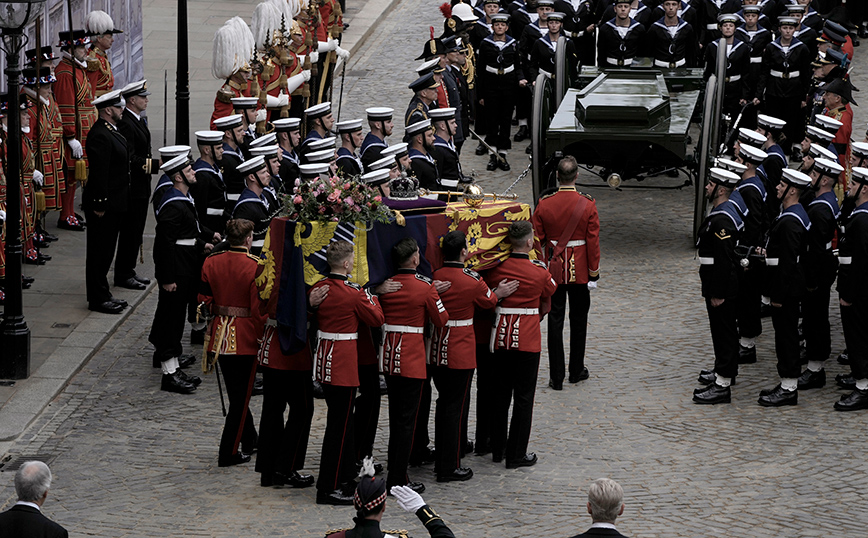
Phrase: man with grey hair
[25,518]
[605,504]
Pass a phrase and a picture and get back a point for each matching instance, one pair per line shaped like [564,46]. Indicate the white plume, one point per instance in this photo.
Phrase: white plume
[367,467]
[99,22]
[266,19]
[233,47]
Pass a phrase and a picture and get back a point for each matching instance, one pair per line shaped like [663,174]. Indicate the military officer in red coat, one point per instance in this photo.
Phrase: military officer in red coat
[516,344]
[336,367]
[568,229]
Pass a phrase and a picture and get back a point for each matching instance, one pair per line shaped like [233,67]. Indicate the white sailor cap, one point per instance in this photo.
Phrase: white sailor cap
[318,111]
[724,177]
[319,144]
[133,89]
[395,150]
[750,136]
[751,154]
[112,98]
[376,177]
[176,164]
[284,125]
[816,134]
[827,167]
[380,113]
[209,138]
[860,149]
[795,178]
[265,151]
[500,17]
[253,165]
[349,126]
[429,66]
[385,162]
[324,156]
[732,166]
[441,114]
[244,103]
[770,123]
[796,8]
[313,169]
[816,150]
[555,16]
[170,152]
[264,140]
[727,17]
[827,123]
[784,20]
[860,175]
[228,122]
[418,127]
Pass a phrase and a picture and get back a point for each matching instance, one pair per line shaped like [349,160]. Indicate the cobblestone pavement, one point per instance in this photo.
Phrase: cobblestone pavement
[130,460]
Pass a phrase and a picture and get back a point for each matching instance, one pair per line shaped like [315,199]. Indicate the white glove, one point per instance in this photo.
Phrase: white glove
[75,146]
[261,115]
[343,54]
[294,82]
[314,57]
[326,46]
[592,285]
[407,499]
[38,178]
[766,300]
[279,101]
[2,216]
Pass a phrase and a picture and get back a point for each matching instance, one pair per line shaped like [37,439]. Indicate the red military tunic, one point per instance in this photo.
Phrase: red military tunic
[347,304]
[223,101]
[99,72]
[516,323]
[68,90]
[407,311]
[454,345]
[229,291]
[271,356]
[579,261]
[46,132]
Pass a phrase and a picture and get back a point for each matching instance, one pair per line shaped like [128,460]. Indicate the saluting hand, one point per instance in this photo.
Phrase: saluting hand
[505,288]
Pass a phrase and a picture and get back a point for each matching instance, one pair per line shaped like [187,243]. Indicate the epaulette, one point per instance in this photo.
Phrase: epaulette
[547,195]
[588,196]
[472,273]
[257,259]
[217,253]
[92,64]
[353,285]
[539,263]
[400,533]
[332,532]
[224,95]
[424,279]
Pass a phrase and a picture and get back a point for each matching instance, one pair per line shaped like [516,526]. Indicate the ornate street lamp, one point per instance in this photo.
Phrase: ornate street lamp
[14,333]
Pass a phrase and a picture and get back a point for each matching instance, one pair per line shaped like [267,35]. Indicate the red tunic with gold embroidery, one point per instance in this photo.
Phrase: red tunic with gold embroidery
[223,101]
[579,260]
[99,72]
[73,86]
[46,132]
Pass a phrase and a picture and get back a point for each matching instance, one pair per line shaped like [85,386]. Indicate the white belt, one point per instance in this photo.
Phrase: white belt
[706,261]
[845,260]
[459,322]
[756,59]
[774,261]
[449,182]
[271,322]
[616,61]
[546,73]
[186,242]
[580,33]
[733,78]
[213,211]
[711,26]
[497,71]
[258,243]
[828,245]
[519,311]
[233,197]
[670,65]
[403,329]
[337,336]
[781,74]
[573,243]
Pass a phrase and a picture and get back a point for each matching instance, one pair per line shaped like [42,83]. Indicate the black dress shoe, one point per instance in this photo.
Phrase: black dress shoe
[458,475]
[197,337]
[503,164]
[481,149]
[120,302]
[334,498]
[186,361]
[107,307]
[234,459]
[142,279]
[556,385]
[258,387]
[49,238]
[25,285]
[28,279]
[130,284]
[844,357]
[34,260]
[746,355]
[71,224]
[41,244]
[779,397]
[496,456]
[174,383]
[293,479]
[525,461]
[192,379]
[812,380]
[584,374]
[707,377]
[858,399]
[846,381]
[521,134]
[713,394]
[492,163]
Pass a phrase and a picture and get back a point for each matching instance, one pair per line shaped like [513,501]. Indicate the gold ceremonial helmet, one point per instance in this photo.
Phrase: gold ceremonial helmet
[295,28]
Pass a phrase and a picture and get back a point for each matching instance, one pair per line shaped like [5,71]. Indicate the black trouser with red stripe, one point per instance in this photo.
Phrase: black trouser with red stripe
[367,413]
[404,396]
[238,372]
[337,463]
[421,439]
[283,446]
[516,382]
[486,370]
[580,305]
[453,388]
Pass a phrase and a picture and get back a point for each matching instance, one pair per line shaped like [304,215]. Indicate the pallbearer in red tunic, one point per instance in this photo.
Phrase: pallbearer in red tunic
[101,29]
[46,132]
[74,98]
[402,357]
[336,366]
[568,228]
[515,342]
[230,62]
[453,352]
[229,291]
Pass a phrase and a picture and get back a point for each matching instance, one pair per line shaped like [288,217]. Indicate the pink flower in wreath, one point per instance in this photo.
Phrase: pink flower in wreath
[297,200]
[334,196]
